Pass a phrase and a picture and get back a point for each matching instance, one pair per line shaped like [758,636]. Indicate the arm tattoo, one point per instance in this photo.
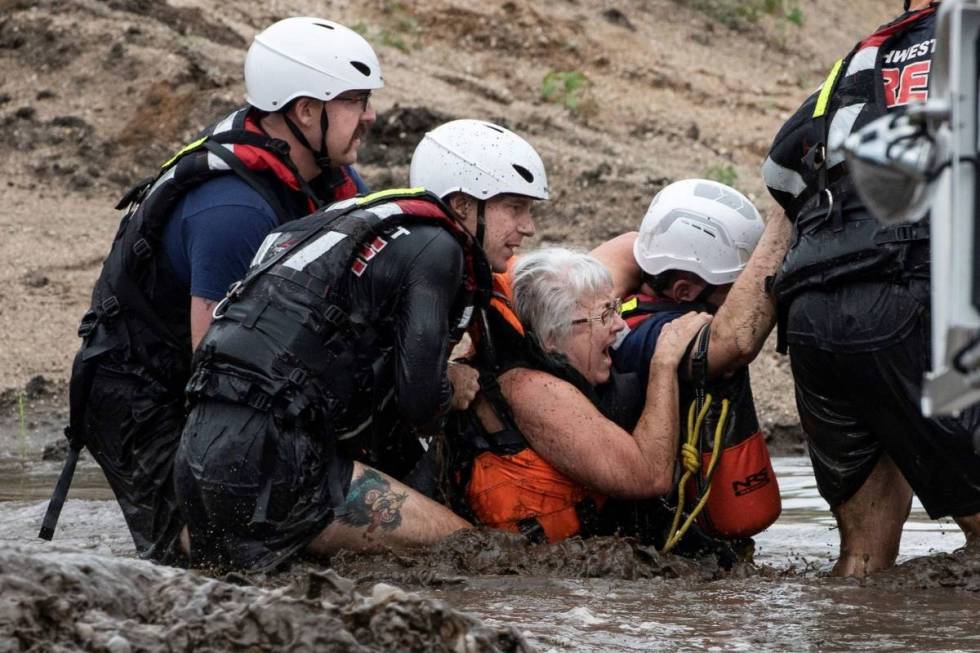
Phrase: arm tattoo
[372,503]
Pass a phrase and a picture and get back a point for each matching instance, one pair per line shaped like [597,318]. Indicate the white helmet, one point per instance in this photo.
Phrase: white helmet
[698,226]
[480,159]
[307,57]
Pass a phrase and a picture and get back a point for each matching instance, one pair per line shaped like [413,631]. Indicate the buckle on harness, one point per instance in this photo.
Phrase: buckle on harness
[110,307]
[258,398]
[88,323]
[904,232]
[335,316]
[142,249]
[278,146]
[297,377]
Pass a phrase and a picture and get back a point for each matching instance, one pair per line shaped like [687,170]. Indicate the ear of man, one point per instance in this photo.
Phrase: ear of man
[305,111]
[685,287]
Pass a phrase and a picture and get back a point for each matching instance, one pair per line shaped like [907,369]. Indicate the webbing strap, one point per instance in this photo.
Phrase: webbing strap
[249,178]
[823,100]
[59,495]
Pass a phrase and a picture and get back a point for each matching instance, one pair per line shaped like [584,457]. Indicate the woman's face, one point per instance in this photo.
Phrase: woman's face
[595,323]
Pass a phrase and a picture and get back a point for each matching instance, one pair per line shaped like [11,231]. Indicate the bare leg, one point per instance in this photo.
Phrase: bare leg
[870,522]
[971,528]
[185,541]
[380,513]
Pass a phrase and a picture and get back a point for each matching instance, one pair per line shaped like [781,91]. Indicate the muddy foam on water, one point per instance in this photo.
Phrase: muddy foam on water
[603,595]
[52,597]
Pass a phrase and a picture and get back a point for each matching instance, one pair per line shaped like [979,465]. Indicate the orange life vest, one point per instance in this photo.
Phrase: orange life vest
[522,493]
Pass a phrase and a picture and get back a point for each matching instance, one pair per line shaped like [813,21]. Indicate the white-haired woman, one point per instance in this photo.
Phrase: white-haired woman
[546,447]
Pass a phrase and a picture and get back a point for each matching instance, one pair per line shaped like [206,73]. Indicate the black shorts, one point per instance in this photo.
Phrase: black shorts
[254,492]
[854,406]
[132,427]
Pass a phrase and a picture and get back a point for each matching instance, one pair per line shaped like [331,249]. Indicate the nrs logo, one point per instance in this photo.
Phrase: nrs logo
[751,483]
[372,249]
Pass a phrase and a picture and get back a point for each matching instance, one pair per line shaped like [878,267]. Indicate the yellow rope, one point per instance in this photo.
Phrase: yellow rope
[690,459]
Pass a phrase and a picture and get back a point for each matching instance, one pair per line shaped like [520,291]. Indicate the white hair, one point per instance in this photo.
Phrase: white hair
[549,283]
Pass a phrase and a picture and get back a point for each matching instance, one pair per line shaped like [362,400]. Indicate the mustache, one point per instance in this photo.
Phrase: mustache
[359,133]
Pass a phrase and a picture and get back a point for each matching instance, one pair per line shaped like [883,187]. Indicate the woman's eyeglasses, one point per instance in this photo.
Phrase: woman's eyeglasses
[612,308]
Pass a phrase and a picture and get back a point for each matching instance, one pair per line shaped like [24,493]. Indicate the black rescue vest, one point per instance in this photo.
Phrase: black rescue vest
[124,324]
[835,238]
[285,340]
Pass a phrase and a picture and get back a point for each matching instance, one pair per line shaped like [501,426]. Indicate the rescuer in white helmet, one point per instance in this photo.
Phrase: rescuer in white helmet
[188,234]
[490,176]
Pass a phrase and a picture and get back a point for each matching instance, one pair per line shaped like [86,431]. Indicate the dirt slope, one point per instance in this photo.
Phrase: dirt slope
[94,94]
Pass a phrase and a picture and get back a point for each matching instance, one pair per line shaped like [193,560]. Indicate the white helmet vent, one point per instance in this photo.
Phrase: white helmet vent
[524,173]
[727,197]
[330,27]
[362,68]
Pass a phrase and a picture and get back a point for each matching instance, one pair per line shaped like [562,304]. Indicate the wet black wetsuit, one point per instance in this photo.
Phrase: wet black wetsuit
[859,332]
[231,452]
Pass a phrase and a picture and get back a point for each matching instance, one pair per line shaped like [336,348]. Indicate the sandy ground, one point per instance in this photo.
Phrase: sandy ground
[94,94]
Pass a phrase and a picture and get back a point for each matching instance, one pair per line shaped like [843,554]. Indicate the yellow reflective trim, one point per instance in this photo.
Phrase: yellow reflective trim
[184,150]
[628,305]
[828,86]
[381,194]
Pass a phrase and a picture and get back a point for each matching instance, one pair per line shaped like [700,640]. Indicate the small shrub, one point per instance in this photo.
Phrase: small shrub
[723,173]
[569,89]
[739,14]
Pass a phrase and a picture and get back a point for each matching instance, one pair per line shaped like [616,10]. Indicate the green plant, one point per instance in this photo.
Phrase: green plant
[398,25]
[565,88]
[739,14]
[393,40]
[723,173]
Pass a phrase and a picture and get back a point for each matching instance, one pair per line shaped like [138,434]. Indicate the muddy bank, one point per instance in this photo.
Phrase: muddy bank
[57,598]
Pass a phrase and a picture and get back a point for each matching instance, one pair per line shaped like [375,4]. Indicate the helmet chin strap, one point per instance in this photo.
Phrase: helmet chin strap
[481,221]
[702,297]
[320,156]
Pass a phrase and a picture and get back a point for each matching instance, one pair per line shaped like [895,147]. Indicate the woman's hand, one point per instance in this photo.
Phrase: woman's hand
[674,338]
[466,383]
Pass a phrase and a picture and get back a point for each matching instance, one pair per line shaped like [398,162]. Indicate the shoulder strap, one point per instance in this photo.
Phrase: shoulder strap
[214,147]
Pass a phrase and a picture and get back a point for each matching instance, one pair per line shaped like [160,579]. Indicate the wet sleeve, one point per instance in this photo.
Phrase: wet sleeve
[220,242]
[634,353]
[429,290]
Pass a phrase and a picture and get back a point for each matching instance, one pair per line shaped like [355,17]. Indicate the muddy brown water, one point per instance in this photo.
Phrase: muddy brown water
[606,595]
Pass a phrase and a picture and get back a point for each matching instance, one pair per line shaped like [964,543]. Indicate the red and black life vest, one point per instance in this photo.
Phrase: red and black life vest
[140,314]
[836,239]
